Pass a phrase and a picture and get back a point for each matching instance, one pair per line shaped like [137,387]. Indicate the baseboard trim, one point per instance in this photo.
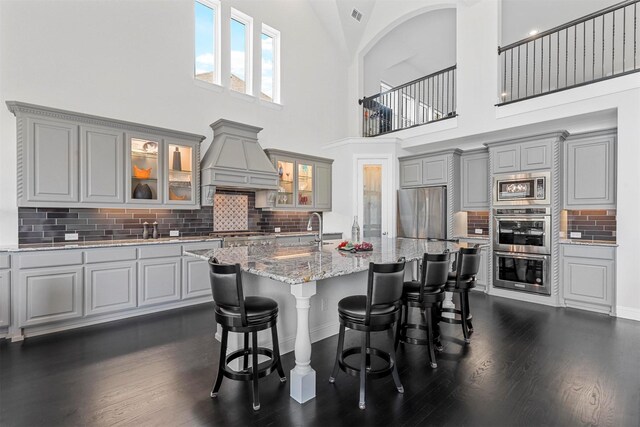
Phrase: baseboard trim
[628,313]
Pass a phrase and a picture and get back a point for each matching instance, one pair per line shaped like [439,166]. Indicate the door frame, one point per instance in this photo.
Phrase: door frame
[388,187]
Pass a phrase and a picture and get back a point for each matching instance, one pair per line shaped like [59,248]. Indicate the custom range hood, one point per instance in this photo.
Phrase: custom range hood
[235,160]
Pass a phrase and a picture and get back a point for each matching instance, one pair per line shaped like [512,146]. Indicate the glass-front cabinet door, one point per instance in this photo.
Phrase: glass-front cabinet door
[286,178]
[305,184]
[144,170]
[180,182]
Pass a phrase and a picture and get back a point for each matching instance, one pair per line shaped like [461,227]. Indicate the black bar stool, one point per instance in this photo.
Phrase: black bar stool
[460,282]
[235,313]
[377,311]
[426,294]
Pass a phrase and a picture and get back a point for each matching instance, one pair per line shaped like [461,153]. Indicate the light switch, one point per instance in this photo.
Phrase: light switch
[575,235]
[70,236]
[276,230]
[478,230]
[174,233]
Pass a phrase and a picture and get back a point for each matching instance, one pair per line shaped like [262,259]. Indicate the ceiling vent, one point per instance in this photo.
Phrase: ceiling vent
[355,14]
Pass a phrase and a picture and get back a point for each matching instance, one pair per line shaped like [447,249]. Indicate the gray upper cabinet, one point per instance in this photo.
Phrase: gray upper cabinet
[528,154]
[323,186]
[101,165]
[434,170]
[535,155]
[68,159]
[475,181]
[507,159]
[589,175]
[304,183]
[49,170]
[411,173]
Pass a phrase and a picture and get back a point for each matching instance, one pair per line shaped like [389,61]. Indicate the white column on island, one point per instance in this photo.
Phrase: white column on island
[303,377]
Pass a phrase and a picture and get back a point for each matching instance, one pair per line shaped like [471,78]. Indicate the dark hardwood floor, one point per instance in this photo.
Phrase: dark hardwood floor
[526,365]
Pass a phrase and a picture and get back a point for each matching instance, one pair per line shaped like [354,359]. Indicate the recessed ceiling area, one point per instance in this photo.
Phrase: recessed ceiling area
[417,47]
[520,17]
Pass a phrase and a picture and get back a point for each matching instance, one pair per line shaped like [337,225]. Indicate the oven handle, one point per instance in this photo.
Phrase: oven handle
[522,218]
[522,256]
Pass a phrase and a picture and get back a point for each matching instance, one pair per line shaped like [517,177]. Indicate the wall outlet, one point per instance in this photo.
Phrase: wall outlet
[174,233]
[478,230]
[276,230]
[70,236]
[309,228]
[575,235]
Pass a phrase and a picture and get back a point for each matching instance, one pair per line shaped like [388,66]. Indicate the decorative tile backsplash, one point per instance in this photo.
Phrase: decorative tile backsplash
[47,225]
[230,212]
[477,220]
[593,224]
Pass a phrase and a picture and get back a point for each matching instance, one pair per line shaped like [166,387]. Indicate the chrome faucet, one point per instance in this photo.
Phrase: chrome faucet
[319,238]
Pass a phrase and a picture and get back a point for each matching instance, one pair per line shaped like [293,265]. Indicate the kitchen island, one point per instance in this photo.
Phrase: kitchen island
[307,270]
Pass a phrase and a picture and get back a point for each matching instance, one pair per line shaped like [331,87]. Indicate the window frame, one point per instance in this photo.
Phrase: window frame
[247,20]
[217,45]
[275,36]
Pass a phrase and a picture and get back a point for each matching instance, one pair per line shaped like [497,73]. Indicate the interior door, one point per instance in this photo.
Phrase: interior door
[374,197]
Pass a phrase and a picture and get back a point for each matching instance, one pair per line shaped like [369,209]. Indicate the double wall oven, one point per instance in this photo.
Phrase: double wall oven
[522,232]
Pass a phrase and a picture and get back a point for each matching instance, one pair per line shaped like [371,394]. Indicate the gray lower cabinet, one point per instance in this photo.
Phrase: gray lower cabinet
[5,298]
[49,169]
[101,165]
[588,277]
[195,278]
[50,295]
[109,287]
[590,173]
[482,278]
[158,281]
[475,181]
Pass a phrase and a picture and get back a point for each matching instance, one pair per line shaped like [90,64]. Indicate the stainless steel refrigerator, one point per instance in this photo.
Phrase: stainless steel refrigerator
[422,213]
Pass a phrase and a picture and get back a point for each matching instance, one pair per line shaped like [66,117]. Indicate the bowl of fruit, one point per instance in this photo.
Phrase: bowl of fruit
[354,247]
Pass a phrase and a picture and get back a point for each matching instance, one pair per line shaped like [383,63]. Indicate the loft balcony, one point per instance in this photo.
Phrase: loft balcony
[590,49]
[419,102]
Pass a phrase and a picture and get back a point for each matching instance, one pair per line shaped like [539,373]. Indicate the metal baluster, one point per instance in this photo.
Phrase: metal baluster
[575,44]
[635,10]
[549,73]
[593,49]
[504,77]
[541,65]
[511,76]
[566,57]
[533,78]
[584,51]
[613,45]
[526,72]
[602,59]
[558,61]
[624,37]
[519,84]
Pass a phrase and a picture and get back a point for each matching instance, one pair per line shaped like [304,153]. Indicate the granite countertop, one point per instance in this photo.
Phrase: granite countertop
[107,243]
[295,264]
[587,242]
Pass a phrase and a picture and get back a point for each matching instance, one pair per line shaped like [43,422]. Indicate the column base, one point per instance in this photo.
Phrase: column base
[302,384]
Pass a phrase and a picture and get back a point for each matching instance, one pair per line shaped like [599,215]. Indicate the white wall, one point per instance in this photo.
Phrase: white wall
[420,46]
[133,60]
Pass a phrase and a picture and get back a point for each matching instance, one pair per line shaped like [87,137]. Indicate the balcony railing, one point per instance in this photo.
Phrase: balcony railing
[587,50]
[424,100]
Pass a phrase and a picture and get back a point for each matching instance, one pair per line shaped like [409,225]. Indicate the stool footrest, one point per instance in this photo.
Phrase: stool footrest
[409,340]
[371,373]
[248,376]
